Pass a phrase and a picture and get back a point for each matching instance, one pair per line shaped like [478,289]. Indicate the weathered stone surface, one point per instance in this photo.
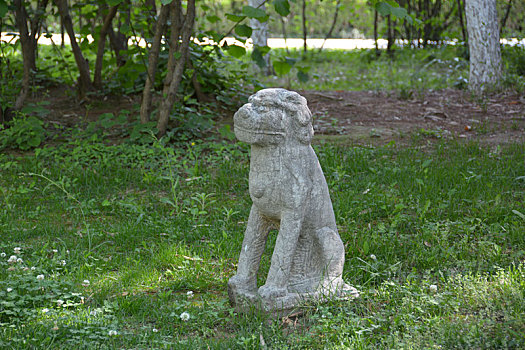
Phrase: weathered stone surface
[289,193]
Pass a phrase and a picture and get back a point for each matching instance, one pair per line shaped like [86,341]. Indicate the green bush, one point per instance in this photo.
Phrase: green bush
[23,132]
[514,57]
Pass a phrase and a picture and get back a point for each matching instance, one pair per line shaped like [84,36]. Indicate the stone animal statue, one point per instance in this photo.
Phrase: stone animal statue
[289,193]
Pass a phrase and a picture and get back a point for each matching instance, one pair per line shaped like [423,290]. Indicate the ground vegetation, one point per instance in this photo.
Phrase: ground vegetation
[114,237]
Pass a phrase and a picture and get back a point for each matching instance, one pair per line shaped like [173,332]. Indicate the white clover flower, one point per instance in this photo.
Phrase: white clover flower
[96,311]
[19,260]
[112,333]
[433,288]
[9,290]
[40,277]
[373,257]
[63,262]
[189,294]
[86,283]
[45,310]
[12,259]
[17,250]
[55,250]
[155,330]
[184,316]
[3,255]
[33,268]
[60,302]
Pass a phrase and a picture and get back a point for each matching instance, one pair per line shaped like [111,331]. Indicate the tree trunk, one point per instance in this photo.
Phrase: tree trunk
[173,80]
[84,81]
[97,80]
[285,35]
[376,18]
[260,30]
[506,16]
[201,96]
[390,35]
[28,41]
[160,26]
[36,25]
[177,21]
[305,31]
[62,41]
[460,14]
[484,46]
[119,40]
[332,27]
[28,52]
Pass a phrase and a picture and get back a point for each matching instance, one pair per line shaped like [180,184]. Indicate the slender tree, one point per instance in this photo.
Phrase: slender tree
[305,31]
[181,29]
[160,28]
[506,16]
[260,29]
[334,22]
[84,81]
[376,19]
[108,20]
[117,39]
[461,22]
[28,39]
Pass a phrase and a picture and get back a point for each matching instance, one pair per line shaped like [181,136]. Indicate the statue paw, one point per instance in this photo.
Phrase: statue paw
[270,292]
[237,283]
[350,291]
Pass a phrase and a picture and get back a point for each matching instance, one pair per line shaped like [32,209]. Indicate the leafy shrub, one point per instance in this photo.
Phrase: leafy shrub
[514,57]
[23,132]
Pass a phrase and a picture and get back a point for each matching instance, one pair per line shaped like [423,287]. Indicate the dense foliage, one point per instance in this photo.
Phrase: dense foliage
[210,71]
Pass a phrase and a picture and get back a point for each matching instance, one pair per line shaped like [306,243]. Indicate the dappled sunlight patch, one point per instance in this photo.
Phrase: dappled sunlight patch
[418,313]
[168,267]
[500,289]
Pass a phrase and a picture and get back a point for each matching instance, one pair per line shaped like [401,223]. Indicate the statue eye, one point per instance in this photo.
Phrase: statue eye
[262,108]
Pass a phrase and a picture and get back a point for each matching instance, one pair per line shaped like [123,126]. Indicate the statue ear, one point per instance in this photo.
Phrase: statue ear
[305,134]
[303,115]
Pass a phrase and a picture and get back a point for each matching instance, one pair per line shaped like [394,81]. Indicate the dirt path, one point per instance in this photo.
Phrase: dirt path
[380,117]
[362,117]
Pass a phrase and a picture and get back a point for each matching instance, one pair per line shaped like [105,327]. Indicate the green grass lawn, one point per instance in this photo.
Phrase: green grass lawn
[406,70]
[118,243]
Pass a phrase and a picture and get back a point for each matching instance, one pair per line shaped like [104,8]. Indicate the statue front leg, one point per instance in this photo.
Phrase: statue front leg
[252,249]
[283,253]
